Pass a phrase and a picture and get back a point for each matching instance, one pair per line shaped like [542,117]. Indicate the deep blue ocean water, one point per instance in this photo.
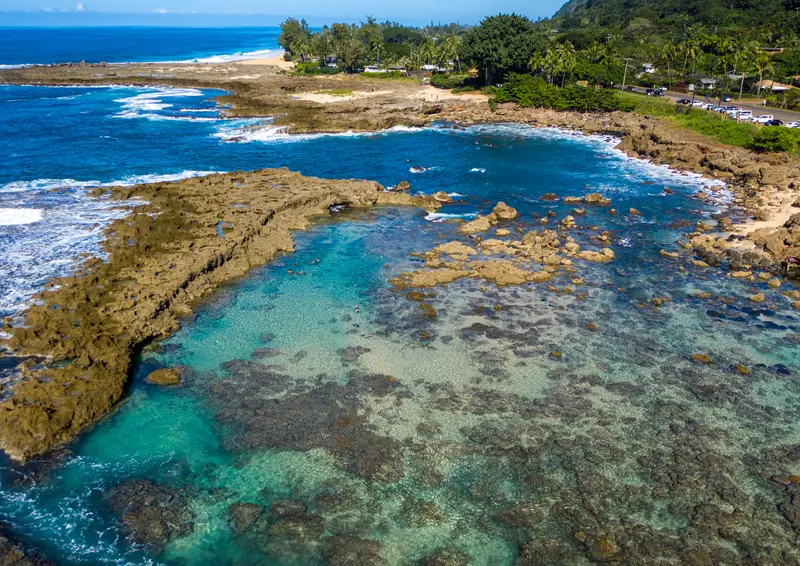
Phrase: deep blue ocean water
[47,46]
[618,436]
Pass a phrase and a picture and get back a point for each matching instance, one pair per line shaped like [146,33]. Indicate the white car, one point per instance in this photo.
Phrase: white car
[745,115]
[792,124]
[697,103]
[763,119]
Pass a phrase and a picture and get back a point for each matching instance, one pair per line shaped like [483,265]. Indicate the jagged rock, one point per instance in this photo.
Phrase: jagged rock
[758,298]
[702,358]
[402,186]
[442,197]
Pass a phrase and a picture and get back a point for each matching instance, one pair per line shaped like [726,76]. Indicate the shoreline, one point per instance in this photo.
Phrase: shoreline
[295,102]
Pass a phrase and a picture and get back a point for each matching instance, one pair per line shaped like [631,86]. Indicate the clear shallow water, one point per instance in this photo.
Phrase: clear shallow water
[47,46]
[457,432]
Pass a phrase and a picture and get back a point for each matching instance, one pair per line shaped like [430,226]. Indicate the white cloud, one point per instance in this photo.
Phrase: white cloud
[79,7]
[160,11]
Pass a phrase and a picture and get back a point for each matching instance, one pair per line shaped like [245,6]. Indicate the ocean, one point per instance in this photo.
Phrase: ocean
[564,423]
[47,46]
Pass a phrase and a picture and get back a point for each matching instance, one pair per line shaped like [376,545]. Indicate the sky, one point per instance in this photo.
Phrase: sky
[196,12]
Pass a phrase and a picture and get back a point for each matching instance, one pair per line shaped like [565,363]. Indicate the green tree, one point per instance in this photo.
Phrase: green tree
[294,34]
[501,44]
[567,59]
[447,52]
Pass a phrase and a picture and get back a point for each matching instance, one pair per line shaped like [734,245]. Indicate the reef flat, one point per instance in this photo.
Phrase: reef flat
[180,241]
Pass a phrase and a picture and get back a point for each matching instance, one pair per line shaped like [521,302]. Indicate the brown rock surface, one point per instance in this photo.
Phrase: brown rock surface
[165,376]
[162,258]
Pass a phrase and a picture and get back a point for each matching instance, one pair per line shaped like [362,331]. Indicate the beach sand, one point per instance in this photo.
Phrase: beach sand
[277,61]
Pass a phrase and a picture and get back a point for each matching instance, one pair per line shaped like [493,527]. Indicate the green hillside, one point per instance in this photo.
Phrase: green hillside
[678,13]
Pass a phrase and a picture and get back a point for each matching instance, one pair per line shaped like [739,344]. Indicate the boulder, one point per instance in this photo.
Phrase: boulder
[773,175]
[758,298]
[604,256]
[165,377]
[442,197]
[402,186]
[504,212]
[480,224]
[702,358]
[596,198]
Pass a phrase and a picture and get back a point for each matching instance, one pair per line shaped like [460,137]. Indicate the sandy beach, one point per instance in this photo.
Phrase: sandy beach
[277,61]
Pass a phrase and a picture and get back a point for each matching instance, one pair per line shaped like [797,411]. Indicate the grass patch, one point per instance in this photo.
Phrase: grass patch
[390,76]
[336,91]
[710,124]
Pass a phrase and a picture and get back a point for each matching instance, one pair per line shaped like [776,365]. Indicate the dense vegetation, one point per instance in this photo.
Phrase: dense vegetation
[676,13]
[387,45]
[534,91]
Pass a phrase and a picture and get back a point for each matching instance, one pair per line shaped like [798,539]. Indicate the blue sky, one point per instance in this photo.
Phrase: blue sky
[93,12]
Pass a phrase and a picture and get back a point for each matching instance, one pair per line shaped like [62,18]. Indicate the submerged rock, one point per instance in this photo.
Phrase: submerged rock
[243,515]
[151,514]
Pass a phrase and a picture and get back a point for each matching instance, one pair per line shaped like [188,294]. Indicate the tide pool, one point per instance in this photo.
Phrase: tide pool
[325,418]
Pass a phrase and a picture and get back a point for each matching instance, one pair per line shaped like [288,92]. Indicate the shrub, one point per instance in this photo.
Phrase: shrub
[314,68]
[533,91]
[776,138]
[449,81]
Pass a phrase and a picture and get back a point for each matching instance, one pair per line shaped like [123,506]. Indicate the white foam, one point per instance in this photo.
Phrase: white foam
[73,225]
[443,216]
[19,216]
[477,170]
[144,105]
[50,184]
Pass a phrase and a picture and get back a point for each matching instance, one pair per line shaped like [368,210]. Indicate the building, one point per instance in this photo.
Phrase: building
[773,86]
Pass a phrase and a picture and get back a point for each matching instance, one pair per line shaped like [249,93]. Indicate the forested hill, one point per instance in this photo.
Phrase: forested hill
[671,13]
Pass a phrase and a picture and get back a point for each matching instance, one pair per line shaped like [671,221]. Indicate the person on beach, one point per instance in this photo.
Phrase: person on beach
[791,264]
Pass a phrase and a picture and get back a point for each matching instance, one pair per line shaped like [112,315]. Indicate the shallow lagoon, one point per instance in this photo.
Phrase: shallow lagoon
[371,432]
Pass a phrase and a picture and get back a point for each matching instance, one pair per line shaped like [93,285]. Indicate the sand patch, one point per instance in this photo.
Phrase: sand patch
[325,98]
[277,61]
[433,94]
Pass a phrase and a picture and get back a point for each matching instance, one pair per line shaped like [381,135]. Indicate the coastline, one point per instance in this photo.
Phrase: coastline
[764,184]
[50,406]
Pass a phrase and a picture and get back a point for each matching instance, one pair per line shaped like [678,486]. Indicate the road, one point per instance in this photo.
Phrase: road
[757,109]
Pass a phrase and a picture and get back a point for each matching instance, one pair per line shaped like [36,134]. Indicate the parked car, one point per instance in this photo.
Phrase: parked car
[632,89]
[684,101]
[697,103]
[745,115]
[763,119]
[792,124]
[774,123]
[726,99]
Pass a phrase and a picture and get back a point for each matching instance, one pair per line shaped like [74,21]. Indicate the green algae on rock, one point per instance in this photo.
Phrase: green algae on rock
[162,258]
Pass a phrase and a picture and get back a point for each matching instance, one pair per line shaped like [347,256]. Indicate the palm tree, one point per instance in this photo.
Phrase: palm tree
[447,52]
[566,55]
[764,65]
[594,52]
[536,62]
[427,52]
[551,64]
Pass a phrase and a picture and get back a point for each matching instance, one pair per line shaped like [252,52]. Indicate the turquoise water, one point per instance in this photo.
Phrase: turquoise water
[370,432]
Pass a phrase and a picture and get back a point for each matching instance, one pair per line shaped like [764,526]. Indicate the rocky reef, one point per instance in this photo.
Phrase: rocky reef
[162,258]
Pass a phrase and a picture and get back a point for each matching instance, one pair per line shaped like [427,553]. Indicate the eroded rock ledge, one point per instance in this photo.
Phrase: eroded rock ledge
[187,238]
